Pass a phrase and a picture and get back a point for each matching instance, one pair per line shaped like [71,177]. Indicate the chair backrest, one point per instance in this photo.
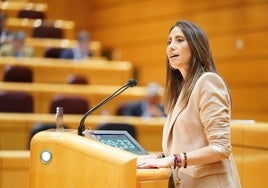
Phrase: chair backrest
[16,101]
[53,52]
[76,79]
[31,14]
[121,108]
[39,126]
[18,73]
[70,104]
[118,126]
[47,31]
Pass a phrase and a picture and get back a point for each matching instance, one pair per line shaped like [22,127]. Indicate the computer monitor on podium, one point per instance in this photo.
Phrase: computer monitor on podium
[118,139]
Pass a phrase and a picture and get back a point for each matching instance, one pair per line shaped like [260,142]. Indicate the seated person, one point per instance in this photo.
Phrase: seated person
[80,50]
[150,106]
[5,34]
[17,47]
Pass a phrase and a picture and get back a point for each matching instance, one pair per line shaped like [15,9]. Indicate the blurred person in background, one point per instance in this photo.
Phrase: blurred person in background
[17,47]
[81,50]
[150,106]
[5,34]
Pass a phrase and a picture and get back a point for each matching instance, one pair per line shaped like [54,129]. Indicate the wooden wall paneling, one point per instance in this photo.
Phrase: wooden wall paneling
[250,166]
[148,130]
[28,25]
[237,139]
[152,73]
[248,156]
[238,155]
[245,71]
[78,11]
[20,134]
[249,43]
[250,98]
[119,15]
[46,70]
[11,8]
[229,20]
[148,64]
[43,93]
[155,33]
[153,53]
[148,13]
[40,45]
[241,45]
[255,152]
[250,102]
[138,30]
[106,12]
[251,115]
[14,167]
[135,34]
[252,54]
[220,24]
[213,20]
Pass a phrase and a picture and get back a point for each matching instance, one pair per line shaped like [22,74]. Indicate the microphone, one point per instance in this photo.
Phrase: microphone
[131,83]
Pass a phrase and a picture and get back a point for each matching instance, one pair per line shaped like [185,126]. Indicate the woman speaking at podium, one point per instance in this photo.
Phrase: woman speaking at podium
[196,136]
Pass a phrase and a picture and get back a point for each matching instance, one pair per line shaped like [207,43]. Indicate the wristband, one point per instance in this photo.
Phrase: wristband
[185,160]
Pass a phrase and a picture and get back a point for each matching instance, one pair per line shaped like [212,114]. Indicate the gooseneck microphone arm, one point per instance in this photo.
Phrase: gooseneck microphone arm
[131,83]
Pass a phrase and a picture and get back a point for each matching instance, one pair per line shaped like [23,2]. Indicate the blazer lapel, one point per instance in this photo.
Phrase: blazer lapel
[176,111]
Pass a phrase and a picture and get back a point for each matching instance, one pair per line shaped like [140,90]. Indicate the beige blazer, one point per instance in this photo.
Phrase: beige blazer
[204,122]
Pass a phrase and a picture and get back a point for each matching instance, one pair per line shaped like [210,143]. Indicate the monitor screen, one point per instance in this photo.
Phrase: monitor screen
[118,139]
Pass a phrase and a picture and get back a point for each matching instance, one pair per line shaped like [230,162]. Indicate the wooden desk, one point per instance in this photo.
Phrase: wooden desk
[250,141]
[16,164]
[11,8]
[250,149]
[27,25]
[15,128]
[14,169]
[41,44]
[97,71]
[42,94]
[153,177]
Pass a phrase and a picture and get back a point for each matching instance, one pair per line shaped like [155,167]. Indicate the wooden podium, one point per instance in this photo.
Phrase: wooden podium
[64,159]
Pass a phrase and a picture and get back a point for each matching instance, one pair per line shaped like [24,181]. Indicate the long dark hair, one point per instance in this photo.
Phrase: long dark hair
[201,61]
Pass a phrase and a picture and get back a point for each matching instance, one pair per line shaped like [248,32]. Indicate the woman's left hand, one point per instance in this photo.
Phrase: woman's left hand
[155,163]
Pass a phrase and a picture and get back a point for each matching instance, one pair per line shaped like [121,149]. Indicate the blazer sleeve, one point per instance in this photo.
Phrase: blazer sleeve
[215,111]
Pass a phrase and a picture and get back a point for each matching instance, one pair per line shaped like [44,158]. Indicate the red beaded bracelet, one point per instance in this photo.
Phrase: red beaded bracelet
[177,161]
